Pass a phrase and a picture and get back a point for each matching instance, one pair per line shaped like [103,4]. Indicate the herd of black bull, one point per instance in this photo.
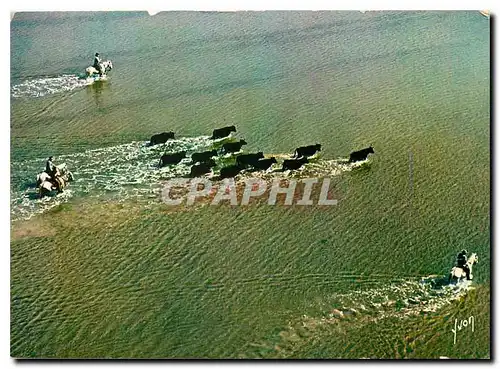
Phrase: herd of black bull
[203,162]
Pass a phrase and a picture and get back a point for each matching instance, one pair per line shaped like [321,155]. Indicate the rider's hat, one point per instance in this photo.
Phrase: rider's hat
[463,251]
[96,54]
[51,157]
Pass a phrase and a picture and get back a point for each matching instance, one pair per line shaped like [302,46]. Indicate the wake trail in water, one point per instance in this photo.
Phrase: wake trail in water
[124,171]
[42,86]
[405,298]
[131,170]
[409,297]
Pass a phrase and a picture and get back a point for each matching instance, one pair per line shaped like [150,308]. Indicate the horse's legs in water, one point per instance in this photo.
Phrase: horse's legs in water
[57,184]
[60,186]
[43,190]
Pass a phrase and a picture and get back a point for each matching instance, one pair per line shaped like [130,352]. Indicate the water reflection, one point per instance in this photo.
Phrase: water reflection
[97,90]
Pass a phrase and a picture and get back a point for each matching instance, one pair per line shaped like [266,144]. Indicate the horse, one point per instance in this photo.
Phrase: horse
[42,177]
[106,66]
[62,170]
[46,184]
[62,177]
[58,184]
[45,188]
[457,273]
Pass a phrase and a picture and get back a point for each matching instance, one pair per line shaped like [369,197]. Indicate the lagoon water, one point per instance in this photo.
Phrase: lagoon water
[131,280]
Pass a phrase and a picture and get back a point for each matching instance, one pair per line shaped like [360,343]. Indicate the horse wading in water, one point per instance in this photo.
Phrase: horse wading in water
[458,273]
[46,184]
[106,66]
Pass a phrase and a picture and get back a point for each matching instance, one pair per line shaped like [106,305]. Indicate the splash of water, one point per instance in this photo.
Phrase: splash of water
[408,297]
[131,171]
[402,298]
[128,170]
[28,204]
[38,87]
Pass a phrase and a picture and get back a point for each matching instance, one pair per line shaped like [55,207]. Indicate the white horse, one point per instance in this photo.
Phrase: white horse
[457,273]
[106,66]
[45,188]
[46,184]
[41,178]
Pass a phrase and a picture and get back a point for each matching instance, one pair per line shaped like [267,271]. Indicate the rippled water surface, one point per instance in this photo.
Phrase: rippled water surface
[106,270]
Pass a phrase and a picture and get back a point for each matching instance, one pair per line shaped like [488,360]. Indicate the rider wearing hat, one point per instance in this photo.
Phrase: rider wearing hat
[462,262]
[97,63]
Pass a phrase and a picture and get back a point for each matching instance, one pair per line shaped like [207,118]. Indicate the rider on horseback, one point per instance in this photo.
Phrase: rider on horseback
[97,64]
[462,262]
[50,167]
[54,177]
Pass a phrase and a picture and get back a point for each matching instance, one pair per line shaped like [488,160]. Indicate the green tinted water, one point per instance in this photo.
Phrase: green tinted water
[213,281]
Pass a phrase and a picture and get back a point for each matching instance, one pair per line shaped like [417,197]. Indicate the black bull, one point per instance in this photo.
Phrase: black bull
[361,154]
[161,138]
[223,132]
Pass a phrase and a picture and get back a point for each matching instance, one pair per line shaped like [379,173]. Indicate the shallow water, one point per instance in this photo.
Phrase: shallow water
[414,85]
[131,171]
